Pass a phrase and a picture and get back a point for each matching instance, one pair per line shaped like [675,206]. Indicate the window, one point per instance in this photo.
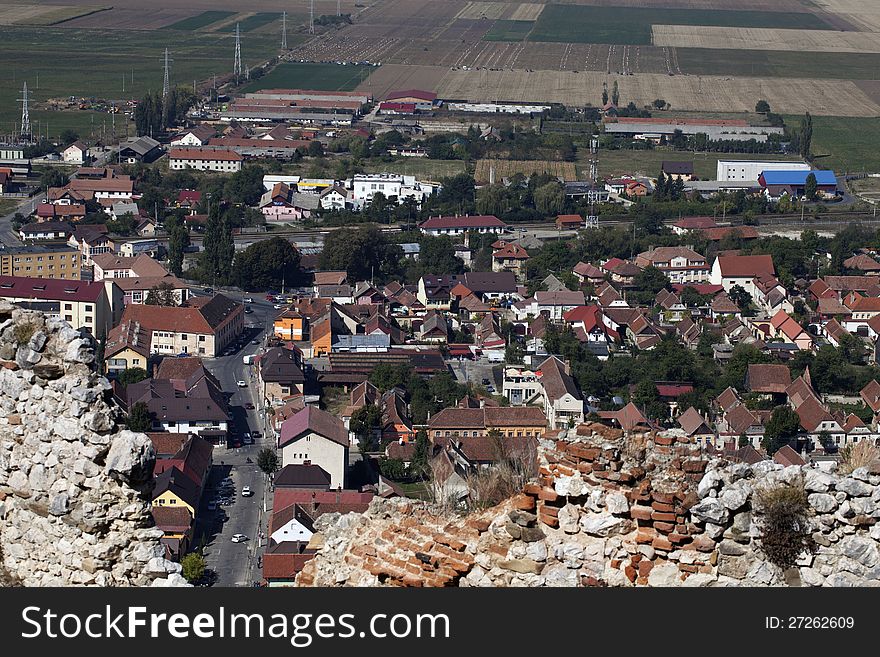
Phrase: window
[183,336]
[201,338]
[88,308]
[68,318]
[88,319]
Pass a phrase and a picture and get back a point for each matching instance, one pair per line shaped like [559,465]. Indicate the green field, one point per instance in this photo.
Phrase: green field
[322,77]
[421,167]
[92,63]
[202,20]
[632,25]
[254,22]
[845,145]
[509,31]
[619,162]
[776,63]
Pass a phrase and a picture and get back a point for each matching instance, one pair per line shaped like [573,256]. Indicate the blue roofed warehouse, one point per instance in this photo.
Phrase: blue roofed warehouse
[793,182]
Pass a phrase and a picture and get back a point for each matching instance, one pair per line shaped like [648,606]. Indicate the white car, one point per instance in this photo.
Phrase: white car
[246,491]
[248,300]
[239,538]
[241,384]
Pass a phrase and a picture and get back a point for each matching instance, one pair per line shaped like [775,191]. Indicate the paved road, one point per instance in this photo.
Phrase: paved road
[9,237]
[474,371]
[237,564]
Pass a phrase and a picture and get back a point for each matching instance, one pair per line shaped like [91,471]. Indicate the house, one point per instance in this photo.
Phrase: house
[335,198]
[519,384]
[281,203]
[563,404]
[553,305]
[862,262]
[679,263]
[458,225]
[291,524]
[91,242]
[511,257]
[46,212]
[203,327]
[421,100]
[127,346]
[730,270]
[624,273]
[435,328]
[302,476]
[771,295]
[767,379]
[696,426]
[280,376]
[737,422]
[174,489]
[687,224]
[677,170]
[588,274]
[176,525]
[588,324]
[629,418]
[784,326]
[204,159]
[93,307]
[194,457]
[46,230]
[200,135]
[719,233]
[75,153]
[182,397]
[569,222]
[110,266]
[40,261]
[862,311]
[723,306]
[140,149]
[313,436]
[776,184]
[505,421]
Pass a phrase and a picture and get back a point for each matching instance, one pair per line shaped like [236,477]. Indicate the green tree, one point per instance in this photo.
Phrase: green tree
[315,149]
[245,186]
[437,255]
[53,178]
[267,460]
[161,295]
[604,94]
[193,567]
[364,421]
[811,188]
[68,136]
[782,427]
[762,107]
[132,375]
[549,199]
[806,136]
[651,280]
[418,467]
[178,241]
[267,265]
[218,247]
[140,418]
[615,94]
[740,297]
[364,252]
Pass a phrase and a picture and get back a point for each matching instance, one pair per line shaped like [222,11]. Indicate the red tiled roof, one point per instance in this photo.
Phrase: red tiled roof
[740,266]
[206,154]
[21,287]
[468,221]
[768,378]
[695,223]
[719,233]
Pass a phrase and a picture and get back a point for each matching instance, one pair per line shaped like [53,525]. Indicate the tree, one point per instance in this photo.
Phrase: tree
[267,460]
[852,349]
[782,427]
[651,280]
[740,297]
[245,186]
[364,252]
[811,188]
[418,466]
[437,254]
[363,424]
[161,295]
[659,103]
[53,178]
[178,241]
[604,94]
[267,265]
[315,149]
[218,247]
[193,567]
[690,297]
[806,136]
[762,107]
[549,199]
[132,375]
[615,94]
[68,136]
[140,418]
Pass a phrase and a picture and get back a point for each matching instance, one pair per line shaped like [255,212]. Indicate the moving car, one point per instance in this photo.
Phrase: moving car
[248,310]
[246,491]
[248,300]
[249,406]
[239,538]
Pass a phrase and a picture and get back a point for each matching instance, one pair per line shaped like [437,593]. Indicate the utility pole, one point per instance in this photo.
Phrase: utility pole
[312,17]
[284,31]
[25,114]
[236,68]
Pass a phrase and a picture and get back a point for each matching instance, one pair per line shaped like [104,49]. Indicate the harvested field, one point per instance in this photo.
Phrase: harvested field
[422,168]
[865,15]
[478,10]
[509,30]
[202,20]
[121,19]
[249,22]
[14,14]
[704,93]
[776,63]
[740,38]
[323,77]
[507,168]
[527,11]
[389,77]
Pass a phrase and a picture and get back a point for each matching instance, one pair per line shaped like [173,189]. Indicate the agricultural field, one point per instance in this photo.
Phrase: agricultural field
[202,20]
[389,77]
[93,63]
[741,38]
[843,144]
[421,167]
[867,188]
[324,77]
[586,24]
[480,10]
[507,168]
[509,30]
[253,22]
[647,162]
[32,14]
[771,63]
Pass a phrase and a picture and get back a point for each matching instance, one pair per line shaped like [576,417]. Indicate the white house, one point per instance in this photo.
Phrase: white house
[563,404]
[554,304]
[291,524]
[750,170]
[315,436]
[679,263]
[75,153]
[335,198]
[198,136]
[204,159]
[741,270]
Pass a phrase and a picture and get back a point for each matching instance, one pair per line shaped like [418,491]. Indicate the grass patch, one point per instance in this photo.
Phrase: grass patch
[619,162]
[253,22]
[199,21]
[782,64]
[321,77]
[421,167]
[509,31]
[844,144]
[8,205]
[92,63]
[632,25]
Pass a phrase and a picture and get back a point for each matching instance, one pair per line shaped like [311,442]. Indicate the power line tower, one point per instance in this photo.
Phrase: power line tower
[25,114]
[339,7]
[166,84]
[284,31]
[237,69]
[312,17]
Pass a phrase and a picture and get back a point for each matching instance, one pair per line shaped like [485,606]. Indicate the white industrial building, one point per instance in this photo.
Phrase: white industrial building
[750,170]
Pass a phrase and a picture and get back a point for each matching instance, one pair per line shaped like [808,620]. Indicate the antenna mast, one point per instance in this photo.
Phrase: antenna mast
[312,17]
[339,7]
[25,114]
[284,31]
[166,85]
[237,69]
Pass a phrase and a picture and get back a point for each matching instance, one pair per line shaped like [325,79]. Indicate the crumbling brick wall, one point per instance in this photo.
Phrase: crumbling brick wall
[610,509]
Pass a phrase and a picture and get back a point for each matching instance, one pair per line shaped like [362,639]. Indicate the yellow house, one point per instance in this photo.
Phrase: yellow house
[174,489]
[290,325]
[128,345]
[322,337]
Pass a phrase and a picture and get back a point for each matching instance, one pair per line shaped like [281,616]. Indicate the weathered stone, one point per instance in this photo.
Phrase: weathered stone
[665,575]
[853,487]
[573,486]
[734,498]
[522,566]
[601,524]
[822,502]
[616,503]
[710,510]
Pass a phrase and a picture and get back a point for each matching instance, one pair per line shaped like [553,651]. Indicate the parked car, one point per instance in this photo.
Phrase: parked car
[249,406]
[248,310]
[239,538]
[248,300]
[207,290]
[256,435]
[241,384]
[246,491]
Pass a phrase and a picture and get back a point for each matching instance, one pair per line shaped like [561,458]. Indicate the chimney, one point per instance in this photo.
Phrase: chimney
[307,462]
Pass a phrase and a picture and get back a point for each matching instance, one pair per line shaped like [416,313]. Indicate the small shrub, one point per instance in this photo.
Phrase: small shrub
[783,517]
[856,456]
[23,332]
